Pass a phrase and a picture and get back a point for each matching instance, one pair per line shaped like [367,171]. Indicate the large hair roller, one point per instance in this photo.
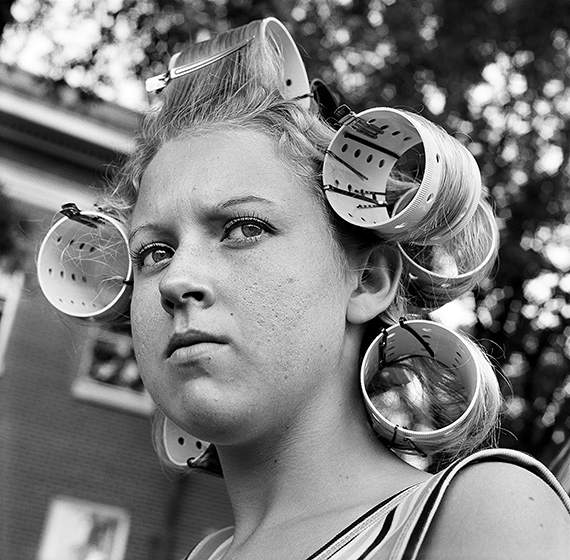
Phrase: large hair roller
[295,80]
[396,173]
[359,162]
[419,339]
[439,273]
[83,266]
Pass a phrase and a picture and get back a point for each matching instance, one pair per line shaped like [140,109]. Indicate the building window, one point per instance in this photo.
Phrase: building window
[108,373]
[77,529]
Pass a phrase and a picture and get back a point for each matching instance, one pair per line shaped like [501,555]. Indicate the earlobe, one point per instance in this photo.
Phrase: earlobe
[377,285]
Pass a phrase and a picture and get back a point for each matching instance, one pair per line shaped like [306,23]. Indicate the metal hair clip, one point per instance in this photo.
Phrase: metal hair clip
[158,83]
[372,202]
[71,211]
[347,117]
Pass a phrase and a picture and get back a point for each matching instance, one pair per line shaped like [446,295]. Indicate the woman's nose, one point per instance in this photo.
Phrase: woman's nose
[179,288]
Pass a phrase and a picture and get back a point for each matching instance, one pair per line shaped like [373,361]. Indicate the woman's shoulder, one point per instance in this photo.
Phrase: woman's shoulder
[509,498]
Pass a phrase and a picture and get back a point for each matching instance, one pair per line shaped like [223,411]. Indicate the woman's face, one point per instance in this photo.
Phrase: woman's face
[240,294]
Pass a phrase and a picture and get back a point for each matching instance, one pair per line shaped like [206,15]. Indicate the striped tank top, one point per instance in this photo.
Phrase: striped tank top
[395,528]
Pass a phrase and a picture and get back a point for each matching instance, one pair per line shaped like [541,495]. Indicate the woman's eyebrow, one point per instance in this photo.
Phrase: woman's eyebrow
[151,226]
[237,200]
[224,205]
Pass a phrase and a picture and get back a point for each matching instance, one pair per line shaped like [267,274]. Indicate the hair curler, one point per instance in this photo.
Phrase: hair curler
[296,83]
[419,338]
[364,181]
[83,266]
[443,273]
[184,450]
[179,445]
[361,157]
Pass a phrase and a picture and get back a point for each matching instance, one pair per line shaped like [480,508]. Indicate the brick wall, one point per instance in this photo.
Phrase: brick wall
[54,444]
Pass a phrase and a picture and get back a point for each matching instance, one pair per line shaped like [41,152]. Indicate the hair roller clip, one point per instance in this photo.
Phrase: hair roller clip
[158,83]
[326,100]
[361,157]
[417,339]
[83,265]
[296,83]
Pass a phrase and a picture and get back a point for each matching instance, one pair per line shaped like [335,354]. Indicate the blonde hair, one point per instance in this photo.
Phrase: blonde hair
[245,90]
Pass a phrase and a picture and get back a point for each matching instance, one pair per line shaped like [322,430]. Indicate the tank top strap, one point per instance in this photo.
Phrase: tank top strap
[371,518]
[428,499]
[208,547]
[214,546]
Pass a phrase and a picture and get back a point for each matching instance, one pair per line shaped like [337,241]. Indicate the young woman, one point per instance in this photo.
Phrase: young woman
[260,283]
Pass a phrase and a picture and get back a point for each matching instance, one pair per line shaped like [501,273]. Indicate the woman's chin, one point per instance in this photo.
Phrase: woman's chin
[214,421]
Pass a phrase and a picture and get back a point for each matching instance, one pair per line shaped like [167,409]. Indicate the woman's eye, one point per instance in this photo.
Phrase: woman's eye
[245,230]
[248,230]
[152,255]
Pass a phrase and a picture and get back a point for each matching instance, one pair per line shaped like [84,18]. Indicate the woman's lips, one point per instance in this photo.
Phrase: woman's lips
[193,353]
[190,345]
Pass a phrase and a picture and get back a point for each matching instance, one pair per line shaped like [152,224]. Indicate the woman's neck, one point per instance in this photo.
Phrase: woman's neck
[329,463]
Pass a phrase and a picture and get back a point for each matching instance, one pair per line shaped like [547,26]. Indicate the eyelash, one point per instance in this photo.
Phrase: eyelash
[139,254]
[247,219]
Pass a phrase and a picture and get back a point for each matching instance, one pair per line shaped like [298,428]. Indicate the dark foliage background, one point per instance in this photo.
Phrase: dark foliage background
[494,72]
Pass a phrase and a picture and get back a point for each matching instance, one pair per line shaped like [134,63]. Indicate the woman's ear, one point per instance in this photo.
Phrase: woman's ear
[377,284]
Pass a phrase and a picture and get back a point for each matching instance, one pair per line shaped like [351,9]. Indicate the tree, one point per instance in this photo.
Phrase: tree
[483,69]
[5,15]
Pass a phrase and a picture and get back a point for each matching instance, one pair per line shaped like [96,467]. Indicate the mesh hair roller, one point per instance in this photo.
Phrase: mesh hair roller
[179,445]
[419,338]
[439,276]
[361,157]
[366,181]
[184,450]
[83,265]
[296,79]
[296,82]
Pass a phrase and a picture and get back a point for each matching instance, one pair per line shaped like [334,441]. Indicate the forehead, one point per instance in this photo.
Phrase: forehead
[218,164]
